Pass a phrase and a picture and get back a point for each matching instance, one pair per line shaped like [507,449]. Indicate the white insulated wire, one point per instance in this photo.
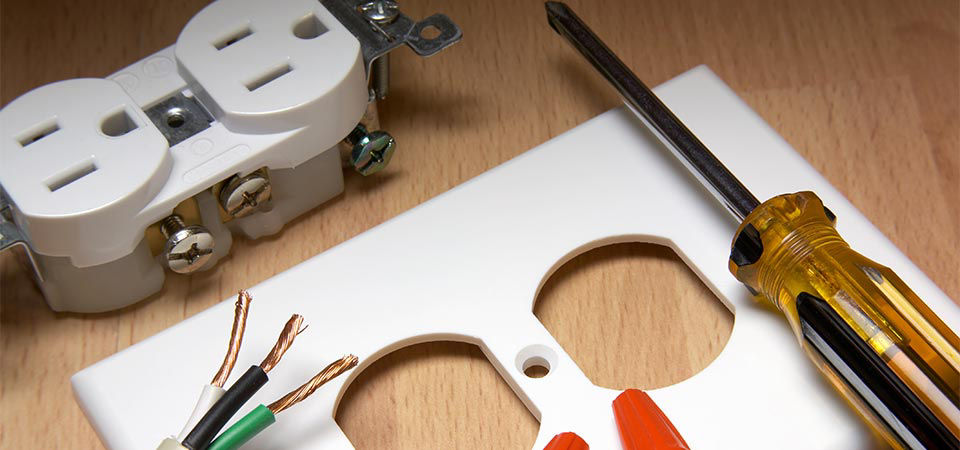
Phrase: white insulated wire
[208,396]
[170,444]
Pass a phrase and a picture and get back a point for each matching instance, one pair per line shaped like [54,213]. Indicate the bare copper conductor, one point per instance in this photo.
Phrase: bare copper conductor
[289,333]
[236,338]
[328,373]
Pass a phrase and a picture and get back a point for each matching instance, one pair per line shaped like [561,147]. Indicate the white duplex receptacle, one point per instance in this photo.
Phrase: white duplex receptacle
[235,128]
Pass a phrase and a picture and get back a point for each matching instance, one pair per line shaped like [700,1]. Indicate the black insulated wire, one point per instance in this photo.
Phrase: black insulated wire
[220,413]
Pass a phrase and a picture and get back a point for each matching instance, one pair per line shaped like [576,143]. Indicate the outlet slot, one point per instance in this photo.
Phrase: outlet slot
[118,123]
[39,132]
[266,78]
[71,175]
[308,27]
[233,38]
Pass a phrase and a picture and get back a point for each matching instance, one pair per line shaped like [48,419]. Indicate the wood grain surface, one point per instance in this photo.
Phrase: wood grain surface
[868,91]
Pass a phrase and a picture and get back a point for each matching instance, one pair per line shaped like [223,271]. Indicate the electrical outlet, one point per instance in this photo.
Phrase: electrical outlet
[237,128]
[269,67]
[76,167]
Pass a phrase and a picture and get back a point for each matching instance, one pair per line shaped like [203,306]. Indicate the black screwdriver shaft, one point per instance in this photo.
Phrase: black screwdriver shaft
[668,128]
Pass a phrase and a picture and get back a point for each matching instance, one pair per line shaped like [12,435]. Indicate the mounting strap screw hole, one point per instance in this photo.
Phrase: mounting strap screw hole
[430,32]
[175,117]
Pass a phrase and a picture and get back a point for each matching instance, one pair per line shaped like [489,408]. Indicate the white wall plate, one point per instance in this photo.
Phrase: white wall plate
[467,266]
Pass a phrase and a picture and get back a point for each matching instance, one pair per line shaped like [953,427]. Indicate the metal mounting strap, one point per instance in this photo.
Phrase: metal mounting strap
[11,236]
[379,37]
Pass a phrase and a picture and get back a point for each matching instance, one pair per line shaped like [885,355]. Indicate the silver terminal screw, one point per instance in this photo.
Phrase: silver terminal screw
[371,150]
[380,11]
[241,196]
[187,248]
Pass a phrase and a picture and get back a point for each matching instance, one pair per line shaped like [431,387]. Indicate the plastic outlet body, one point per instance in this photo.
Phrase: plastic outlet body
[86,170]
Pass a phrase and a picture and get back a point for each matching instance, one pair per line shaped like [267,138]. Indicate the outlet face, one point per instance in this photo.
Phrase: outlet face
[89,165]
[265,66]
[87,170]
[79,164]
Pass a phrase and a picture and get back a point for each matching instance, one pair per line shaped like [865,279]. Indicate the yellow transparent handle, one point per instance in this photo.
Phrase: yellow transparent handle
[788,248]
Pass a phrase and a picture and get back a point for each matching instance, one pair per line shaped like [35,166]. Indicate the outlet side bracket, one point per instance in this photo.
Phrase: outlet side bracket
[11,236]
[379,38]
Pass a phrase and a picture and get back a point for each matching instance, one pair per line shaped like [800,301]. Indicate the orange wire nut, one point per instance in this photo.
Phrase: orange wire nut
[643,426]
[567,441]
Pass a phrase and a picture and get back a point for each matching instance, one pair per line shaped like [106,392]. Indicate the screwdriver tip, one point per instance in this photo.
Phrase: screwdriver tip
[554,11]
[555,8]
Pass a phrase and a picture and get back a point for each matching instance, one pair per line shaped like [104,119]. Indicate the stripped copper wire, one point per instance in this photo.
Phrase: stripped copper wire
[328,373]
[289,333]
[236,338]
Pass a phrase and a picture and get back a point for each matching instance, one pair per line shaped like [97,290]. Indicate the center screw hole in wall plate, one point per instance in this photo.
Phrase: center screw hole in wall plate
[536,361]
[633,315]
[536,369]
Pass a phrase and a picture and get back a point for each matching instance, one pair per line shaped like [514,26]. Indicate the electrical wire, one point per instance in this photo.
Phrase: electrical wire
[170,444]
[289,333]
[208,397]
[263,416]
[245,429]
[236,338]
[242,390]
[213,391]
[328,373]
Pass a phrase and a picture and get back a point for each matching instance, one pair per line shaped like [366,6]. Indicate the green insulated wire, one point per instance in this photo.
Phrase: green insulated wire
[244,430]
[264,416]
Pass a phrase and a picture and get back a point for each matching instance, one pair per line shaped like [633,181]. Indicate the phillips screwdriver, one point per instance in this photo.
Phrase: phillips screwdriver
[893,360]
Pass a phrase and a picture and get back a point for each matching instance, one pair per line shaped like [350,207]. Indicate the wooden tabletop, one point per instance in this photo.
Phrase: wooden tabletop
[868,91]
